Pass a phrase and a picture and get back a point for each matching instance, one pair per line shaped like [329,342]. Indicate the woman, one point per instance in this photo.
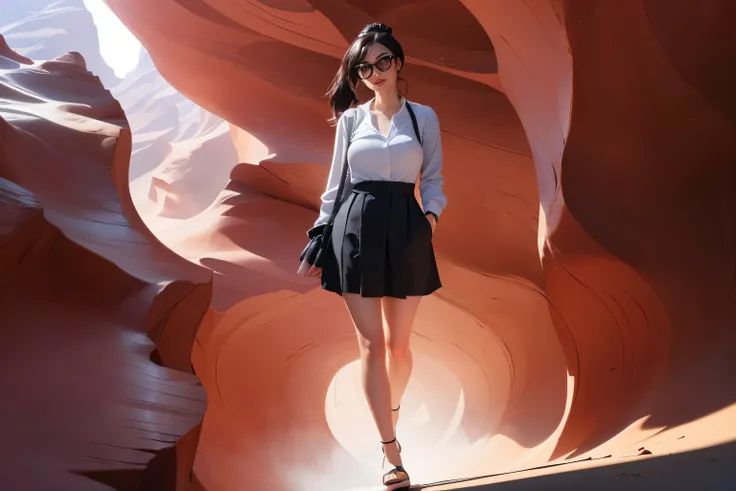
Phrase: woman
[383,261]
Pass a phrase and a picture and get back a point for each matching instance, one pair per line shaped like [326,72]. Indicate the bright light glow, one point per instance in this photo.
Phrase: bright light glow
[118,47]
[430,425]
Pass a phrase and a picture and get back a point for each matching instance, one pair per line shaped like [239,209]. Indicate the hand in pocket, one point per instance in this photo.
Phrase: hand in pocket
[432,222]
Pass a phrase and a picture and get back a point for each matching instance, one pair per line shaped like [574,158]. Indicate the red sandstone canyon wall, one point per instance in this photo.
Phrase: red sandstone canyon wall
[587,252]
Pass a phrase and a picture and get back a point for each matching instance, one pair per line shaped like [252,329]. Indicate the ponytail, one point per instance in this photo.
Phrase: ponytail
[341,94]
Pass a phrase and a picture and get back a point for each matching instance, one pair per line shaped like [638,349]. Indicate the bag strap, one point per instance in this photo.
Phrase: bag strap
[413,120]
[350,125]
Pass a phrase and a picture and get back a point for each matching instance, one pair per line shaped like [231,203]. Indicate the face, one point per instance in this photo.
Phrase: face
[379,69]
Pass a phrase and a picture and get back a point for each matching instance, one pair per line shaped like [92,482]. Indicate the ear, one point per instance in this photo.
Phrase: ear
[399,65]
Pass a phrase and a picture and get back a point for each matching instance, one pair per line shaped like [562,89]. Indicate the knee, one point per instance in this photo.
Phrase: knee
[398,351]
[373,348]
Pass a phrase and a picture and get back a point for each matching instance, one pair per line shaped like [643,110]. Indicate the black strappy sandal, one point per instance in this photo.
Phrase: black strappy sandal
[396,478]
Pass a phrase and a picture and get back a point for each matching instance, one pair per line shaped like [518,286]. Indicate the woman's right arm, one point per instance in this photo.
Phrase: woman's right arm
[333,180]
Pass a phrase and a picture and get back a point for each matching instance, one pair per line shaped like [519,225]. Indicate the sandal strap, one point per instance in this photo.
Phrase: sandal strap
[399,407]
[389,442]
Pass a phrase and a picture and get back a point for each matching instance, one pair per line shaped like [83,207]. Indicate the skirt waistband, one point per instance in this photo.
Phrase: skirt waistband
[382,187]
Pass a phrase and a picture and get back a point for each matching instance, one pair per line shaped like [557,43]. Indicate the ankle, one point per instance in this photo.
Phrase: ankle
[394,418]
[393,456]
[391,450]
[387,443]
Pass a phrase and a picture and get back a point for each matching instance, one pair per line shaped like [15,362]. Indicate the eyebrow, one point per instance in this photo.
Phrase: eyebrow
[377,57]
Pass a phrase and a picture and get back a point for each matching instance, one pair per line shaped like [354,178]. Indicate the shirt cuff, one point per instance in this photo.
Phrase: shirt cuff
[436,218]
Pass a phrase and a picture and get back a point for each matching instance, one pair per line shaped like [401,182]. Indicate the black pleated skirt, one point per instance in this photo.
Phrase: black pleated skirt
[381,244]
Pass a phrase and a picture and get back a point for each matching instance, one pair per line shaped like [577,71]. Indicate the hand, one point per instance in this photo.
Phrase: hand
[432,221]
[314,272]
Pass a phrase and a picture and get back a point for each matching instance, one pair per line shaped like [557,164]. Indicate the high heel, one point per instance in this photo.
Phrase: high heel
[396,478]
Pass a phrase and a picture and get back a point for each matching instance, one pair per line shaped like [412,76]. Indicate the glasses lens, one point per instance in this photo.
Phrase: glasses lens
[384,63]
[365,71]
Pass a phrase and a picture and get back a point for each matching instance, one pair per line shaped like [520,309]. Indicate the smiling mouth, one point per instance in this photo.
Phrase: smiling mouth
[379,81]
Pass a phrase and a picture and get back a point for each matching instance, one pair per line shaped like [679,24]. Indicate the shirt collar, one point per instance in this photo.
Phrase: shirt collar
[367,105]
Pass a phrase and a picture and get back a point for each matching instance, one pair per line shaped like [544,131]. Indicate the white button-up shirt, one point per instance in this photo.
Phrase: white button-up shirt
[398,157]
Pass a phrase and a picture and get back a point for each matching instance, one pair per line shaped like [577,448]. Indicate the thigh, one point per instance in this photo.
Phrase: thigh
[400,314]
[366,315]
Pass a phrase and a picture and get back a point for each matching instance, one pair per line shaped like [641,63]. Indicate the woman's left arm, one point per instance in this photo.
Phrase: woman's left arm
[431,182]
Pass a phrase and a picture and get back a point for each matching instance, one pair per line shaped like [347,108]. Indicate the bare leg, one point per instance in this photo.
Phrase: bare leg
[399,314]
[366,315]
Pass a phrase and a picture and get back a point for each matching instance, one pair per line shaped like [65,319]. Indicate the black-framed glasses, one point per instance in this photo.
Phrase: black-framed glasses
[365,70]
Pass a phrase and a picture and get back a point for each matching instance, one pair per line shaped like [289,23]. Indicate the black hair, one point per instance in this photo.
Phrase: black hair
[342,93]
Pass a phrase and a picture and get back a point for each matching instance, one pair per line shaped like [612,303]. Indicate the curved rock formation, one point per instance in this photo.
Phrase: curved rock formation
[85,405]
[182,155]
[578,353]
[587,253]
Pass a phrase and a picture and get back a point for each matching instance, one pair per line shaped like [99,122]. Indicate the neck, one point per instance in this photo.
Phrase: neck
[387,102]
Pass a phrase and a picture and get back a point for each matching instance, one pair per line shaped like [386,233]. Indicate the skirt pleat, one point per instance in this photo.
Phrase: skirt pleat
[382,244]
